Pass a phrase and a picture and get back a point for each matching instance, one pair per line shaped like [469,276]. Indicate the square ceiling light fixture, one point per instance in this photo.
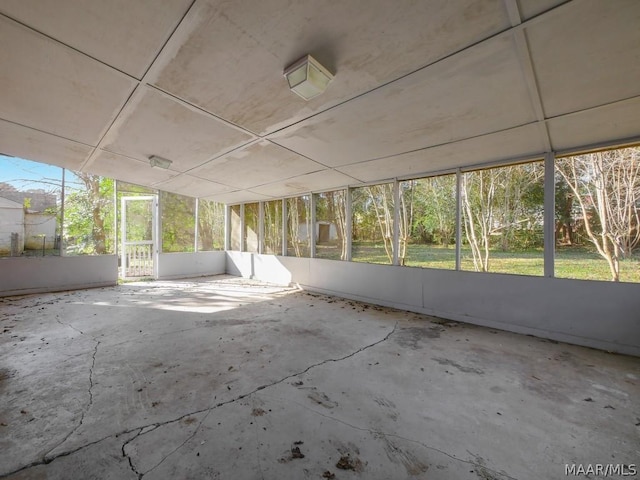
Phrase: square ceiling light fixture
[307,78]
[159,162]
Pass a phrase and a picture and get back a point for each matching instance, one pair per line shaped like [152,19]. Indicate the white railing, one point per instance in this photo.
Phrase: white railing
[138,257]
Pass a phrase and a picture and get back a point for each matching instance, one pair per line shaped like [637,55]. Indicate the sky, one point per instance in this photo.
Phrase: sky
[25,174]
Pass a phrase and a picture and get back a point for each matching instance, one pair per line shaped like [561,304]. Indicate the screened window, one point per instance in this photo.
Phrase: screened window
[598,216]
[30,208]
[502,211]
[298,226]
[331,224]
[235,222]
[210,226]
[251,219]
[372,228]
[428,222]
[88,214]
[273,227]
[178,222]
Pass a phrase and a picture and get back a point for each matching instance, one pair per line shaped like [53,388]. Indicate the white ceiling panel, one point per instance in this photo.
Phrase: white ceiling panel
[155,124]
[419,87]
[193,186]
[587,55]
[324,180]
[511,144]
[231,54]
[618,121]
[532,8]
[476,92]
[124,34]
[23,142]
[239,196]
[52,88]
[127,169]
[256,164]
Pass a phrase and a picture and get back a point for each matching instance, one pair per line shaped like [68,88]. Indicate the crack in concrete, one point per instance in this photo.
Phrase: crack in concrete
[400,437]
[70,326]
[262,387]
[183,443]
[128,457]
[143,430]
[67,453]
[84,411]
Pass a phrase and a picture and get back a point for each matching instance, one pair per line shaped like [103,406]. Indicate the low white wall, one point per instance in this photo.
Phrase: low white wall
[185,265]
[22,275]
[602,315]
[263,267]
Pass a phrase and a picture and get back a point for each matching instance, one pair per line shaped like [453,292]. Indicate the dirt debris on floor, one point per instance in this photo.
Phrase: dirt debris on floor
[222,377]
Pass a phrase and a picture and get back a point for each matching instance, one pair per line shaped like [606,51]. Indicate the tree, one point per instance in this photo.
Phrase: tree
[273,227]
[178,222]
[210,225]
[434,209]
[504,203]
[565,227]
[382,203]
[606,187]
[478,192]
[88,215]
[298,215]
[331,208]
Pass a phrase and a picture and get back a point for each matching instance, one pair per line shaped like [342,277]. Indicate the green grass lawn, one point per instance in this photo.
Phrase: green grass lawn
[570,262]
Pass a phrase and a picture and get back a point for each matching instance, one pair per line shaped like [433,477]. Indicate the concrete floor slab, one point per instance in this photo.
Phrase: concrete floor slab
[227,378]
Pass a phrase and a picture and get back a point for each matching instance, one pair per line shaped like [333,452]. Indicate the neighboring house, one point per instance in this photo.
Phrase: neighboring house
[325,232]
[26,229]
[37,200]
[11,222]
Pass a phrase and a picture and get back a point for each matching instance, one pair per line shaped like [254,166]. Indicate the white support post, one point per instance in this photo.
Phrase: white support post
[260,227]
[396,222]
[123,222]
[115,218]
[284,227]
[227,227]
[157,228]
[348,222]
[311,231]
[458,218]
[243,240]
[62,198]
[195,239]
[549,215]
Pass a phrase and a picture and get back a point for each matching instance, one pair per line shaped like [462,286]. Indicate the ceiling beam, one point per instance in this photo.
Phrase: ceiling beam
[528,72]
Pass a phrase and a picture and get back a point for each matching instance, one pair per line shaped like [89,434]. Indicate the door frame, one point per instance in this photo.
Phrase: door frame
[154,233]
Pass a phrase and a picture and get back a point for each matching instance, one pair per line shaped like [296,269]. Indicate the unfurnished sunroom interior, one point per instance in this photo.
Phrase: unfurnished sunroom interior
[430,269]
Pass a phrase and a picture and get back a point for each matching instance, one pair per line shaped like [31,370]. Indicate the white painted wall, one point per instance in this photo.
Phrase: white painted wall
[22,275]
[185,265]
[11,220]
[35,226]
[603,315]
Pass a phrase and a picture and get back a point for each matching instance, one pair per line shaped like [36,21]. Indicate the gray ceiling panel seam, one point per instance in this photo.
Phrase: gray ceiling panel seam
[91,158]
[66,45]
[46,133]
[202,110]
[507,32]
[166,41]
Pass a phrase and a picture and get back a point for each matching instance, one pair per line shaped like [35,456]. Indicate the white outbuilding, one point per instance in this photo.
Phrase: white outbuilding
[11,226]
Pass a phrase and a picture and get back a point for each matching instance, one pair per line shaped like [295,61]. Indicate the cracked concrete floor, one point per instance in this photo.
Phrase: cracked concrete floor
[226,378]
